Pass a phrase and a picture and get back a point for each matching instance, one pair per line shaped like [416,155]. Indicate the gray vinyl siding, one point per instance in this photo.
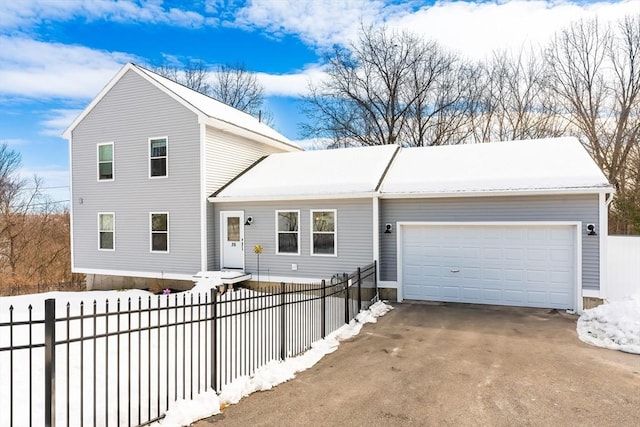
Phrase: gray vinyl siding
[354,238]
[526,208]
[129,114]
[236,154]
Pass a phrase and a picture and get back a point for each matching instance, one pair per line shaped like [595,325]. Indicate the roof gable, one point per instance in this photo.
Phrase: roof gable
[213,112]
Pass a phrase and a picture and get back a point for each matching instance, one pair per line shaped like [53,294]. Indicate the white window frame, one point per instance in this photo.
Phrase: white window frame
[113,214]
[166,157]
[334,232]
[278,233]
[113,162]
[151,232]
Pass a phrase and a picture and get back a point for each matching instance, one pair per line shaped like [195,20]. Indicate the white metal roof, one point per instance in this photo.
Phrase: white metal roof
[221,115]
[558,165]
[347,172]
[544,165]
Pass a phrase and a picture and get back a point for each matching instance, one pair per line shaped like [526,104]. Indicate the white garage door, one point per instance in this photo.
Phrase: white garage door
[519,265]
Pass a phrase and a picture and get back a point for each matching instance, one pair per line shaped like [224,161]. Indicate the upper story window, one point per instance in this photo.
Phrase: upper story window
[323,232]
[159,231]
[106,231]
[105,161]
[288,232]
[158,159]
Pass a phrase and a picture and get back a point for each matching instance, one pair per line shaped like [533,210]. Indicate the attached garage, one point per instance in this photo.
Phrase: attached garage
[518,264]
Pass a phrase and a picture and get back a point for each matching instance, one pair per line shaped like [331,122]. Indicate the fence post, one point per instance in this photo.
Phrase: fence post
[359,290]
[283,340]
[345,279]
[50,362]
[214,340]
[375,279]
[323,305]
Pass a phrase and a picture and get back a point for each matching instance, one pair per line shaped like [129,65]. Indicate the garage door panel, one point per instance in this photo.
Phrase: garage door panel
[510,265]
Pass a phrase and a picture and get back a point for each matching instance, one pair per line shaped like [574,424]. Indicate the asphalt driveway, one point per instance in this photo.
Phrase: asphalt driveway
[453,364]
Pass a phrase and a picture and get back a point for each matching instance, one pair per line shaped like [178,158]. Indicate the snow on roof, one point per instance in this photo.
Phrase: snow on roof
[347,171]
[535,165]
[216,109]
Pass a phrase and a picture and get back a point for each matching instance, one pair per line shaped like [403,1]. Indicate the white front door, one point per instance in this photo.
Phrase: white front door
[232,239]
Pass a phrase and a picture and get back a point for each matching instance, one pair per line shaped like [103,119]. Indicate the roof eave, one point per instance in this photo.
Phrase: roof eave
[277,198]
[488,193]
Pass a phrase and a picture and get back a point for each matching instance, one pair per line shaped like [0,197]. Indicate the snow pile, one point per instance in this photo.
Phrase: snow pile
[615,325]
[184,412]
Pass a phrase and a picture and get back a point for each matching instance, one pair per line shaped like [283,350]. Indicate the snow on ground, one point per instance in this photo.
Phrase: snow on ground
[184,412]
[615,325]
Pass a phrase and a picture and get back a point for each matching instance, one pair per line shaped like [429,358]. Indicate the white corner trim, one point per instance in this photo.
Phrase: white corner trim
[376,233]
[204,256]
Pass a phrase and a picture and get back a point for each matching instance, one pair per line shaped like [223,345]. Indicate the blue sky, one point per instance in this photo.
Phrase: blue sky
[56,55]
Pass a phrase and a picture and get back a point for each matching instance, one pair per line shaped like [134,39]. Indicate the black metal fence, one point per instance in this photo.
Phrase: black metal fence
[123,364]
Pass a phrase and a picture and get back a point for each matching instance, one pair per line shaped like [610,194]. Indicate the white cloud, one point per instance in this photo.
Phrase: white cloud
[13,141]
[477,29]
[293,84]
[26,13]
[472,28]
[35,69]
[319,22]
[58,121]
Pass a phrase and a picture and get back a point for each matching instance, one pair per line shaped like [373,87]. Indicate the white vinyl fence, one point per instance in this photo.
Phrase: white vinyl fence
[623,263]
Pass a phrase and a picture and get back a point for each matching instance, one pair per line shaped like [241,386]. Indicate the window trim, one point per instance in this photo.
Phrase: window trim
[113,161]
[113,214]
[151,250]
[166,157]
[334,232]
[297,211]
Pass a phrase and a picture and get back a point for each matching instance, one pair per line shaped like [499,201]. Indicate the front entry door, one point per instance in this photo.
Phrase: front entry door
[232,245]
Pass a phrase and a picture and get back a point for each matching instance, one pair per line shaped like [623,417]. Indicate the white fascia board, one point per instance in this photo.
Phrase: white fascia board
[127,273]
[235,129]
[540,192]
[292,198]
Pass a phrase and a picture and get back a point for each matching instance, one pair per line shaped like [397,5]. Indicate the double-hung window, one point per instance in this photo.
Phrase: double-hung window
[323,232]
[106,231]
[159,231]
[158,157]
[105,161]
[288,232]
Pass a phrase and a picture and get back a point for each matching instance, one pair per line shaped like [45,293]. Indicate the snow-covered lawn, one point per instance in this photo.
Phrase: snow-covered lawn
[615,325]
[132,376]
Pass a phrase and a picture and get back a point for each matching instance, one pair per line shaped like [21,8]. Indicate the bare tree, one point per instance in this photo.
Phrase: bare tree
[193,75]
[595,71]
[387,88]
[233,85]
[236,86]
[513,100]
